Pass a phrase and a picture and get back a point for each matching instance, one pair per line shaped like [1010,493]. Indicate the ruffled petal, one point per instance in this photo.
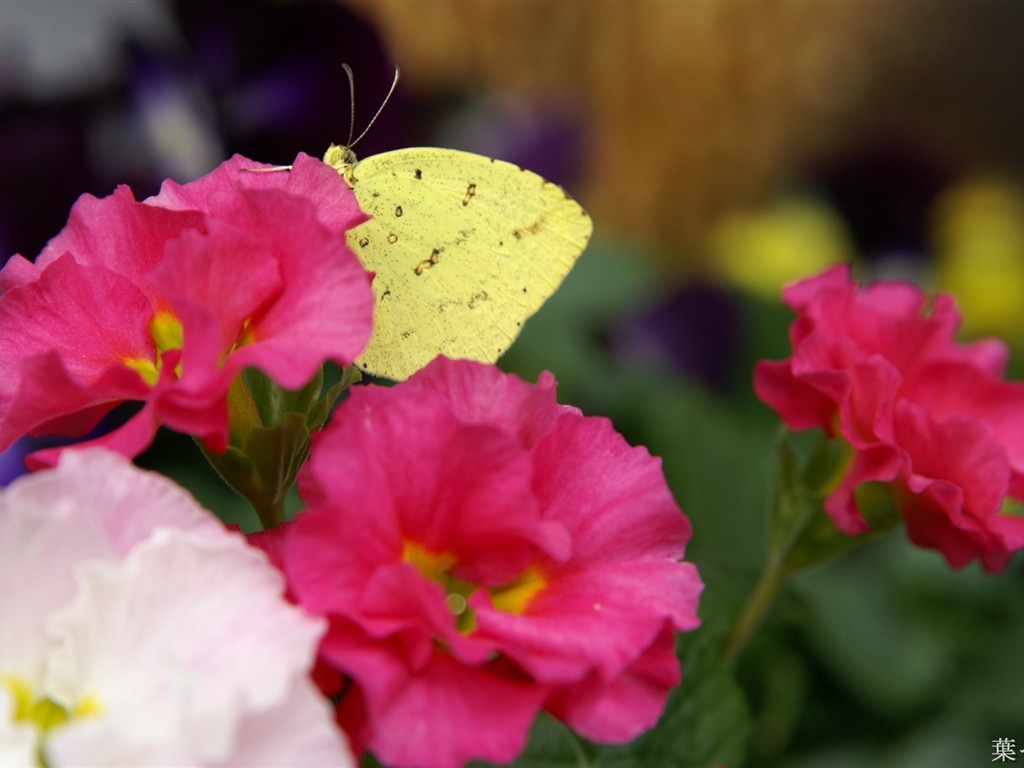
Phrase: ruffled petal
[618,711]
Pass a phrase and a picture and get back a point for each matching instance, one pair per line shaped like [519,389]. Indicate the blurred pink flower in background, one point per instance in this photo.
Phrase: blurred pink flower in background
[482,553]
[165,301]
[881,368]
[138,631]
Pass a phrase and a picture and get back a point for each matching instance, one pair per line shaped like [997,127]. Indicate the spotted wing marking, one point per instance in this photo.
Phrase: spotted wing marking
[426,264]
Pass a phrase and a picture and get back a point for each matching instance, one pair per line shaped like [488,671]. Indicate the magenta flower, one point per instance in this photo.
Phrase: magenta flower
[165,301]
[482,553]
[930,418]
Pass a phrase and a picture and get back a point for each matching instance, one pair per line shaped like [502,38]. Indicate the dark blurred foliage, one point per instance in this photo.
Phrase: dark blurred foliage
[885,188]
[194,82]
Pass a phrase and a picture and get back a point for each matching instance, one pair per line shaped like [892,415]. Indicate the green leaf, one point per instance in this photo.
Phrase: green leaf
[707,720]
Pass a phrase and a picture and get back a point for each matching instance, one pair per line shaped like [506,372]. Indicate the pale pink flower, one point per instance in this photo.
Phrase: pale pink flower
[138,631]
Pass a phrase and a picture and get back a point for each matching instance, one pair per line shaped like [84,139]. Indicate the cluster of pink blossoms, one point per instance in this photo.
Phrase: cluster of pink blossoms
[477,552]
[931,418]
[167,300]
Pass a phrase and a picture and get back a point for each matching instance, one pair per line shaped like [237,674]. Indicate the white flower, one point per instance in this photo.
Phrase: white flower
[136,630]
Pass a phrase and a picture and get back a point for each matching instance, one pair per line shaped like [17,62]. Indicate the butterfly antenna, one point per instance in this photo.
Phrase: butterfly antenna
[351,82]
[351,103]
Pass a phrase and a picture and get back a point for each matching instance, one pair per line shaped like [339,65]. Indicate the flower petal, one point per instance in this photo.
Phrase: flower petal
[600,617]
[175,692]
[444,716]
[618,711]
[612,497]
[65,340]
[309,178]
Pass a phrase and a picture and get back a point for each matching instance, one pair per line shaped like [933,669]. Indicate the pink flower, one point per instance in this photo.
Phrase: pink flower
[932,418]
[482,553]
[165,301]
[138,631]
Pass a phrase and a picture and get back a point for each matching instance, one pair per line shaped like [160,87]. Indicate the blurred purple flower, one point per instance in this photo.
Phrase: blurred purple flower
[694,331]
[12,461]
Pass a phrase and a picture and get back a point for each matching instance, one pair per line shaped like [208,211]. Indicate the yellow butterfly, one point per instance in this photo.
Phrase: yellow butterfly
[465,248]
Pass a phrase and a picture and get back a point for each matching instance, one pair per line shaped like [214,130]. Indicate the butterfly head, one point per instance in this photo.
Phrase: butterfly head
[342,159]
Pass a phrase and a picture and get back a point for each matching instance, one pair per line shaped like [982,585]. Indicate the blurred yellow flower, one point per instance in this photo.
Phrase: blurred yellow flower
[978,237]
[761,251]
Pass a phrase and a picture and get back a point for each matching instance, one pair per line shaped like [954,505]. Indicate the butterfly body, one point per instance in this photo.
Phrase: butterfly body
[464,249]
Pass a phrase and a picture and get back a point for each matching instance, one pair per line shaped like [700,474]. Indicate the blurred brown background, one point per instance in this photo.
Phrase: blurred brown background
[658,115]
[692,108]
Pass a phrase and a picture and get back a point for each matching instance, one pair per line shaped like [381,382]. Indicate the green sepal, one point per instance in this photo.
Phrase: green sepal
[271,434]
[802,534]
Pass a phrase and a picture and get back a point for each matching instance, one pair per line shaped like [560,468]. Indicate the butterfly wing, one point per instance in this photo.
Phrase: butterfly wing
[464,248]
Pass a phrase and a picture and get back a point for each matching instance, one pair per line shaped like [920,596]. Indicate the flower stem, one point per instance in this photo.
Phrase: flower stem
[582,761]
[757,605]
[240,474]
[800,533]
[271,513]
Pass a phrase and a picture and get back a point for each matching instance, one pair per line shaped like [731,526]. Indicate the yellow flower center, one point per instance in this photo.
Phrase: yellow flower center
[1012,508]
[42,711]
[513,597]
[168,334]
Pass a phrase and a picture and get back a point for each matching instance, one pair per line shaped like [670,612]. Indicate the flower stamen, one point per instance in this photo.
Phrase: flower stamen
[515,597]
[168,334]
